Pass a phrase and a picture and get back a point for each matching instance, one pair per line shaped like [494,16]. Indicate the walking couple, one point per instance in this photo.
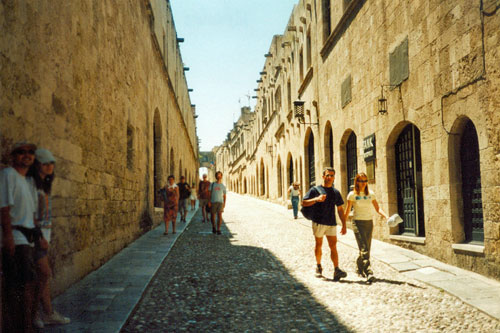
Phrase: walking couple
[325,198]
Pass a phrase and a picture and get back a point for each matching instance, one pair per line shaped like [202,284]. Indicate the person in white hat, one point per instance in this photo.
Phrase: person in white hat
[42,172]
[363,201]
[18,202]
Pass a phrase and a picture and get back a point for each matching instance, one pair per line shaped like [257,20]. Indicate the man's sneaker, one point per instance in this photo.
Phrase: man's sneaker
[319,271]
[55,319]
[369,277]
[339,274]
[38,322]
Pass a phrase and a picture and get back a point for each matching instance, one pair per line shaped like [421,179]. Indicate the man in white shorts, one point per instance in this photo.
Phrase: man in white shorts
[324,220]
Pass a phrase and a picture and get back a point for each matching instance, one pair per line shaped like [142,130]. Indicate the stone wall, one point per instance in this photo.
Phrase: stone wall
[87,80]
[438,65]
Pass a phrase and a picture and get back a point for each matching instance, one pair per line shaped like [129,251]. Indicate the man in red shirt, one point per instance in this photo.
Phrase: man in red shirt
[203,196]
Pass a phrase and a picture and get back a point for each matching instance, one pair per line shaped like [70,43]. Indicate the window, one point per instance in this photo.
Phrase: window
[346,4]
[327,23]
[309,51]
[301,65]
[289,95]
[277,98]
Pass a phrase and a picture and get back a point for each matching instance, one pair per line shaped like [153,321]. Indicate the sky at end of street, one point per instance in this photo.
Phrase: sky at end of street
[224,47]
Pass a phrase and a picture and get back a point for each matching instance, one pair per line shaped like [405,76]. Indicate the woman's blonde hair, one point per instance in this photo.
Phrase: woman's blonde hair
[356,182]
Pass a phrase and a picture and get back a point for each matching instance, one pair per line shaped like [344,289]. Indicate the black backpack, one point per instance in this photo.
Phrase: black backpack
[308,211]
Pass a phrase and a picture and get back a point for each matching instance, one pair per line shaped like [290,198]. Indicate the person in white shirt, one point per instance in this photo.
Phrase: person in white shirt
[295,195]
[363,201]
[18,205]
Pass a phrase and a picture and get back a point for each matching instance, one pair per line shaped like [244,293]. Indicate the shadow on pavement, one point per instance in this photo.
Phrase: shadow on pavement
[210,283]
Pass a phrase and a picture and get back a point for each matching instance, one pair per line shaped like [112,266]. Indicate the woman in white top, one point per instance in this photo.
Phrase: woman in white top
[363,201]
[296,194]
[192,197]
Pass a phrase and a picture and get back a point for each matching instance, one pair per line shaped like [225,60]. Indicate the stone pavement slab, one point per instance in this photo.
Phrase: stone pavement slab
[104,299]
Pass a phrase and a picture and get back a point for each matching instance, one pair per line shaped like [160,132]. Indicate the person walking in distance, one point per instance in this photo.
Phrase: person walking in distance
[363,201]
[296,194]
[184,193]
[18,205]
[192,197]
[170,204]
[204,195]
[42,172]
[217,203]
[324,198]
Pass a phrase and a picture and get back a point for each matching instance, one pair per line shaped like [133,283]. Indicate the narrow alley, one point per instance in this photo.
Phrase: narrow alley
[258,276]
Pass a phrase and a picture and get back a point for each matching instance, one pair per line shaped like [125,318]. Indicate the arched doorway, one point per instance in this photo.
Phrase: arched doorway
[471,185]
[310,159]
[328,145]
[290,169]
[351,160]
[172,164]
[280,179]
[262,179]
[157,159]
[409,181]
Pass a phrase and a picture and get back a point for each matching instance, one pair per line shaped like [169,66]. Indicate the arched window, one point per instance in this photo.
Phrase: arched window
[310,160]
[351,160]
[471,185]
[409,181]
[328,145]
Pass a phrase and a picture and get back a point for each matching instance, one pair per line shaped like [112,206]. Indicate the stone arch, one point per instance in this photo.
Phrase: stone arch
[465,182]
[267,182]
[279,175]
[157,154]
[301,173]
[309,158]
[262,180]
[290,170]
[172,163]
[404,178]
[348,164]
[328,144]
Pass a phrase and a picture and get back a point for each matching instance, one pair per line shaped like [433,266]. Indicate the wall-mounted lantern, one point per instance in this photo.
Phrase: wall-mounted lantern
[382,101]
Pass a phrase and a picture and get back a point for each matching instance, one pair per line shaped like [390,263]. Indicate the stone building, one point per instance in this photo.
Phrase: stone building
[101,84]
[406,91]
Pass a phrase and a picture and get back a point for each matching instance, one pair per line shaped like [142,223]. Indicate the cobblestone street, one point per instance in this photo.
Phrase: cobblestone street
[258,276]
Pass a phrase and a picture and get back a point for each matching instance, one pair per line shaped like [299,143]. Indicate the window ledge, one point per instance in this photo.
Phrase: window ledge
[306,81]
[471,248]
[410,239]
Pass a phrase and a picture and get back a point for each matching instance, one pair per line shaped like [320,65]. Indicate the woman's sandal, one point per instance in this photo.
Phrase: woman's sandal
[165,233]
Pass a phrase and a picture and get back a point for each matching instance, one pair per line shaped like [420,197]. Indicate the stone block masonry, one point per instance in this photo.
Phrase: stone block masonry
[436,64]
[91,81]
